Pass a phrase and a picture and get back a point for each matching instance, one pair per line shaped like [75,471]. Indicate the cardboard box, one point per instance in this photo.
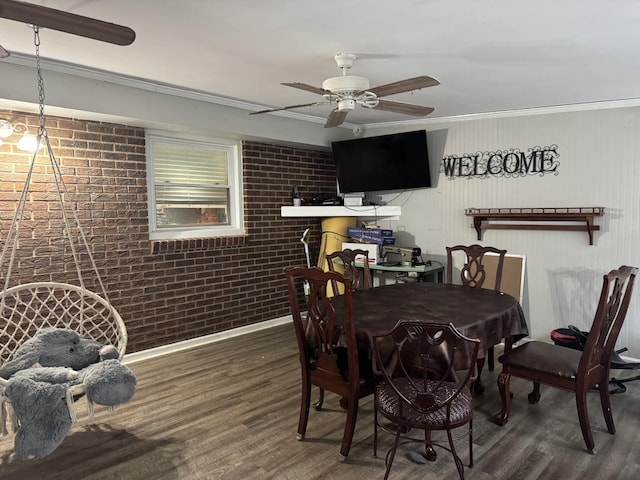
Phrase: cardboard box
[388,241]
[372,250]
[356,231]
[372,235]
[369,238]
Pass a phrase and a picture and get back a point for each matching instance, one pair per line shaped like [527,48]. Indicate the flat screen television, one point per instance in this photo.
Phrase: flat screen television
[387,162]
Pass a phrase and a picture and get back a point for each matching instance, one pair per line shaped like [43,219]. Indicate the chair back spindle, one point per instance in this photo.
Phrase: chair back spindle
[473,271]
[609,317]
[344,261]
[474,274]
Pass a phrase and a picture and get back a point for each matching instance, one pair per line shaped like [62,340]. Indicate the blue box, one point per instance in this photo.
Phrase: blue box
[372,235]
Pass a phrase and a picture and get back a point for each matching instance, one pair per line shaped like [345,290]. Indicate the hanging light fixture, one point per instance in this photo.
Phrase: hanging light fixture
[27,143]
[6,130]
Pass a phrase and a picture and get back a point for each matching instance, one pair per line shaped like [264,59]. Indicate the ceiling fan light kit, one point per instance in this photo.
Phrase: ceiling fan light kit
[346,105]
[348,90]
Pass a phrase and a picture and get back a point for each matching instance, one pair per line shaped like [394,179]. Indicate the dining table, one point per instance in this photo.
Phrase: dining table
[488,315]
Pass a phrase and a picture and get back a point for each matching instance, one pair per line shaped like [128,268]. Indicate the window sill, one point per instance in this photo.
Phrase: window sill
[159,247]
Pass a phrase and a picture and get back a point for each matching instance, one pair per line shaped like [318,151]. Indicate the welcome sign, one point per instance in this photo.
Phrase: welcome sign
[503,163]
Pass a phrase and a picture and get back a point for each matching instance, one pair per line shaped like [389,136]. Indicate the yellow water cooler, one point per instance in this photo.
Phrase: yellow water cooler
[334,232]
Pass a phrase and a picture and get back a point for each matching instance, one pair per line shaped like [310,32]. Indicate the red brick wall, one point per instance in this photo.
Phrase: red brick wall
[168,291]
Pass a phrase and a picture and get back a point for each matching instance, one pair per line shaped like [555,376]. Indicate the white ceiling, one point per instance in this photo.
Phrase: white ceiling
[490,55]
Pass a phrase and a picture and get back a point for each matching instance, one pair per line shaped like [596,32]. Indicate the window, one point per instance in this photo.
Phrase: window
[195,187]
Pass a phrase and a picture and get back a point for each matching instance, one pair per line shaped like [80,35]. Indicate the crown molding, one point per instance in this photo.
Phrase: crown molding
[148,85]
[524,112]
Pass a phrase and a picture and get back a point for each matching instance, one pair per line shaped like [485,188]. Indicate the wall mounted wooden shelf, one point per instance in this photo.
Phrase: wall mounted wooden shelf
[486,218]
[387,211]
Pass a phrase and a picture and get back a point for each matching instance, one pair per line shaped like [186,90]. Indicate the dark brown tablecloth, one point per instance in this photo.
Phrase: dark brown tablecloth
[478,313]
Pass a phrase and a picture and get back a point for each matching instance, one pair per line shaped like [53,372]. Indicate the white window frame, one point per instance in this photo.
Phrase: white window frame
[233,149]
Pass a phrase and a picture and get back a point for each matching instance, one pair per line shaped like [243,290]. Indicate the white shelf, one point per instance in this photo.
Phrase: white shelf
[389,212]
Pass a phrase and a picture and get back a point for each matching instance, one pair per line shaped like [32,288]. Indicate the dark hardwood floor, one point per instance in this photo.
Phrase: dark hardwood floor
[229,410]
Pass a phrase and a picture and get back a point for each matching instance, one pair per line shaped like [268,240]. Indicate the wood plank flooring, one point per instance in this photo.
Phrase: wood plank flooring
[229,410]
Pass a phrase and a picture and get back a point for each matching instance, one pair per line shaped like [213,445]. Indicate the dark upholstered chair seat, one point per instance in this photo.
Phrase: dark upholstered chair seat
[544,358]
[389,406]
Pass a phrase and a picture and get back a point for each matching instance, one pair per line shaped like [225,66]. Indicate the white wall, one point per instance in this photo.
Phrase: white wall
[599,166]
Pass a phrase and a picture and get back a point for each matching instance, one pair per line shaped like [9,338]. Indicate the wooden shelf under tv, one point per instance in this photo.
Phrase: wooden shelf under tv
[579,219]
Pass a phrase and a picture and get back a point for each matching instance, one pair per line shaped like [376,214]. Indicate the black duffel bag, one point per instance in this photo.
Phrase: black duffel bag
[571,337]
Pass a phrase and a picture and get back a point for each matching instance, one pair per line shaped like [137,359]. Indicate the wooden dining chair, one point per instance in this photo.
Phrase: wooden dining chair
[344,261]
[474,274]
[328,350]
[573,370]
[426,369]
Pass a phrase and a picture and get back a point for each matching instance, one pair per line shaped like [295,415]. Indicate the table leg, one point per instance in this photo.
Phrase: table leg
[477,387]
[508,344]
[502,416]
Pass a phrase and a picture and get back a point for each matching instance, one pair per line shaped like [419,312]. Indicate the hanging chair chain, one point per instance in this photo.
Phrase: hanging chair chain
[61,190]
[41,117]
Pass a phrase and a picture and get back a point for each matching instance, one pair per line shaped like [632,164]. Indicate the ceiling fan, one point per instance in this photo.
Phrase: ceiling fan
[348,90]
[62,21]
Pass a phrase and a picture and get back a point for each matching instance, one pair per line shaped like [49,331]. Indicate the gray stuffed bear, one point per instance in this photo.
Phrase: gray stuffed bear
[40,373]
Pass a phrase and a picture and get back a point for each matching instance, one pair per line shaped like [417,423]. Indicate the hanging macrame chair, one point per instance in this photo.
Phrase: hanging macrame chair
[28,307]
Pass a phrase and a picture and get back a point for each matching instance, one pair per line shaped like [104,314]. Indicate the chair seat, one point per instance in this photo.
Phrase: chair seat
[389,405]
[544,357]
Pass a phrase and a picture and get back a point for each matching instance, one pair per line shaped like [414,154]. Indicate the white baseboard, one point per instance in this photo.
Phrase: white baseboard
[235,332]
[195,342]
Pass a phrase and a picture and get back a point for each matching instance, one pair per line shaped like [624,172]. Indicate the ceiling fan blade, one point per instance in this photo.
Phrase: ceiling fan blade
[404,86]
[66,22]
[406,108]
[336,117]
[3,53]
[308,88]
[314,104]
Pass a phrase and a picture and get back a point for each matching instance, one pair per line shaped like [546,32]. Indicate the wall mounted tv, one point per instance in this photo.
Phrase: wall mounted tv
[387,162]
